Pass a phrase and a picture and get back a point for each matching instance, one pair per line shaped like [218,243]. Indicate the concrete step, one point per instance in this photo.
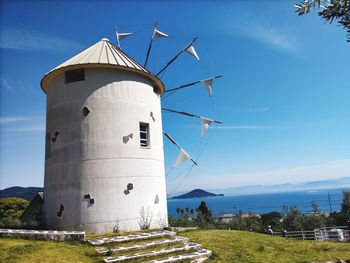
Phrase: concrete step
[176,239]
[189,246]
[195,257]
[141,236]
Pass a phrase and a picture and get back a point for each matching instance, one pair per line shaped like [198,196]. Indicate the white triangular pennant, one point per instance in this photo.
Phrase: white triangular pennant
[208,85]
[192,51]
[205,124]
[183,156]
[158,34]
[121,36]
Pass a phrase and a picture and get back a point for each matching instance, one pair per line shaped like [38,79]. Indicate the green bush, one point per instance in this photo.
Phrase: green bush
[11,208]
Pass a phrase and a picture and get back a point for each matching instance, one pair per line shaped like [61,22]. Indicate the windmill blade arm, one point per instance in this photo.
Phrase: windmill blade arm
[188,114]
[186,47]
[218,76]
[192,83]
[171,139]
[183,86]
[175,57]
[148,53]
[181,112]
[218,122]
[194,161]
[174,142]
[149,47]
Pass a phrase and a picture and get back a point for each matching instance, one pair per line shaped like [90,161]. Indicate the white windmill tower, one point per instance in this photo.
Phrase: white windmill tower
[104,161]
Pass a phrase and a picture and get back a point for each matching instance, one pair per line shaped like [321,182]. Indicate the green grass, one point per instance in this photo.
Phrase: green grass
[239,246]
[27,251]
[227,246]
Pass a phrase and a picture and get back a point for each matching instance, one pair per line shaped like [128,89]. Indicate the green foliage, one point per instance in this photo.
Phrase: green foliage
[182,221]
[293,220]
[187,218]
[11,208]
[252,223]
[239,246]
[109,252]
[342,218]
[272,219]
[204,216]
[345,206]
[331,10]
[312,221]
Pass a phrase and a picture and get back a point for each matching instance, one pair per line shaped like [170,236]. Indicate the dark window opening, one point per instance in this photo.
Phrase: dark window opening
[127,138]
[152,116]
[56,136]
[60,212]
[126,192]
[92,201]
[86,111]
[87,196]
[156,200]
[74,75]
[130,186]
[144,135]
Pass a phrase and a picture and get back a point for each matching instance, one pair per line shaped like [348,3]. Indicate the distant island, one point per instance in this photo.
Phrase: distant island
[196,193]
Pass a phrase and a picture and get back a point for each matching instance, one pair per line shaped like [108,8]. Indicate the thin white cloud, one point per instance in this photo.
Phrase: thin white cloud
[234,127]
[6,85]
[25,129]
[264,32]
[15,125]
[261,109]
[26,40]
[243,127]
[272,36]
[16,119]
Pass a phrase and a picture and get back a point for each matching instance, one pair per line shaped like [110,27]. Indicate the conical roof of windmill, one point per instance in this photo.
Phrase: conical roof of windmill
[103,54]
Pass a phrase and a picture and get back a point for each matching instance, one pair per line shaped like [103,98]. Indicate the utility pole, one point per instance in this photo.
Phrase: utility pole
[329,201]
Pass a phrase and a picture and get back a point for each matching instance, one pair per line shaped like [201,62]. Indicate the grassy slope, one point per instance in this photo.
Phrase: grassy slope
[19,250]
[228,246]
[238,246]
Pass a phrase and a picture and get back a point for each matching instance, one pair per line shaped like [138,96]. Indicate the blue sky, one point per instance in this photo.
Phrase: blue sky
[284,99]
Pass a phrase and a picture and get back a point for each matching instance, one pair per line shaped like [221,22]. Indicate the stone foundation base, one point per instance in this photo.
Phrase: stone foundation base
[43,234]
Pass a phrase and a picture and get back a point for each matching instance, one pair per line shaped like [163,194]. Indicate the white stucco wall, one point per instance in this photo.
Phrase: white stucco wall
[90,157]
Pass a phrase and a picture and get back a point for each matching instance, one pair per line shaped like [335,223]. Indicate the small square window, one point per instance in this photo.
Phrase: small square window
[144,135]
[74,75]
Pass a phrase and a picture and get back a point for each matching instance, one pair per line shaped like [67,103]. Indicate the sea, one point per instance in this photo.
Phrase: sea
[327,200]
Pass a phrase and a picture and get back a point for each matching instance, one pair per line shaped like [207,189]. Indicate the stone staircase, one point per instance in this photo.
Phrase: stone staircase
[151,247]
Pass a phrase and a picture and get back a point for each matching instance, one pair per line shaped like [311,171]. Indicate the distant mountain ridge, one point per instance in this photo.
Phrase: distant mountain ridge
[196,193]
[22,192]
[343,182]
[339,183]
